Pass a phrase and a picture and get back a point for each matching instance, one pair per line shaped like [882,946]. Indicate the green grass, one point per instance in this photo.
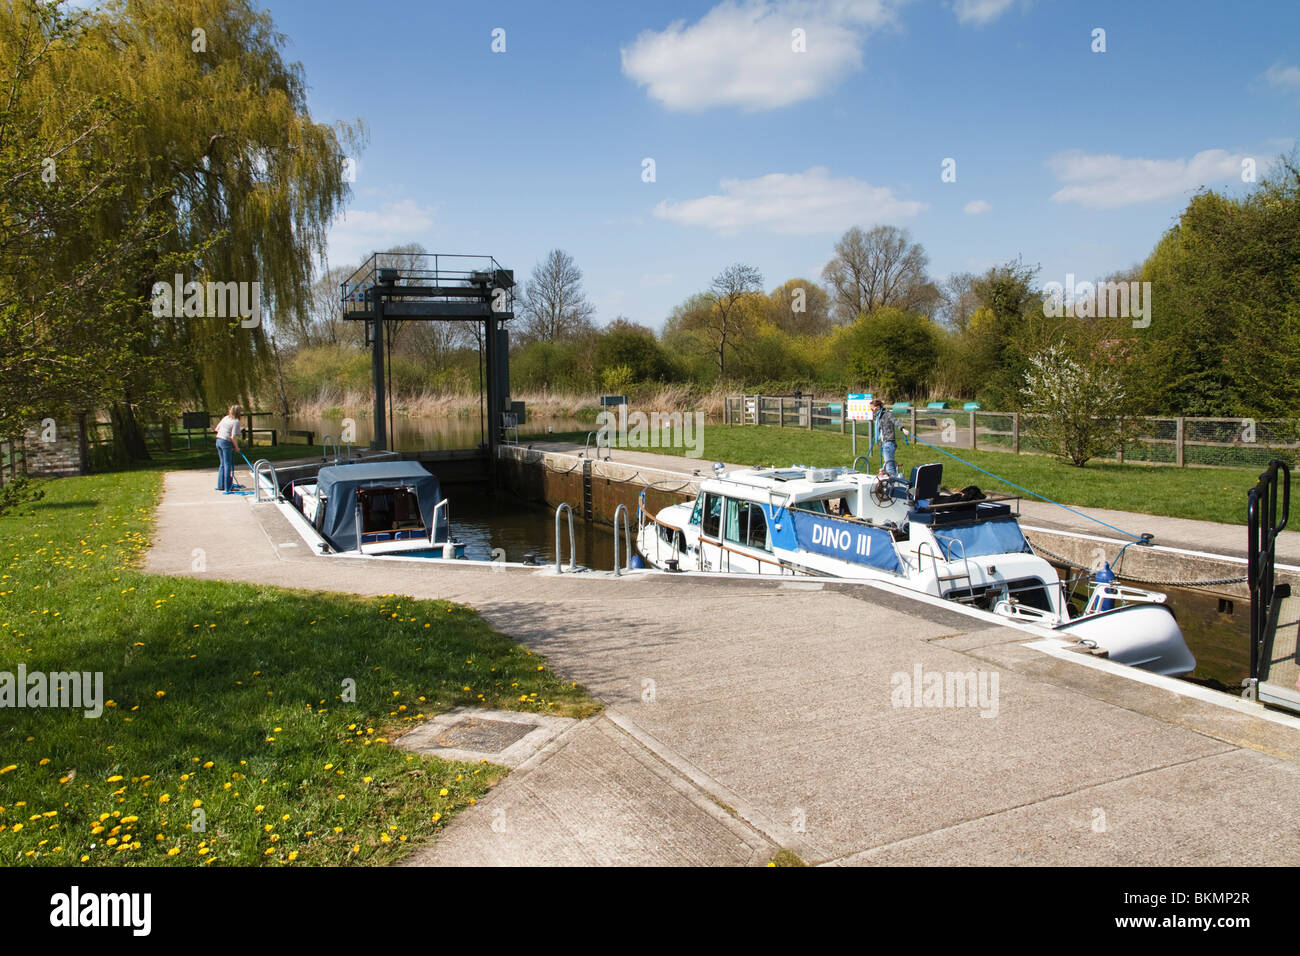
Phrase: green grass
[227,699]
[1211,494]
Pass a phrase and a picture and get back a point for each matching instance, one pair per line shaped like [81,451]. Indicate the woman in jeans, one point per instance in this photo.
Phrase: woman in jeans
[228,430]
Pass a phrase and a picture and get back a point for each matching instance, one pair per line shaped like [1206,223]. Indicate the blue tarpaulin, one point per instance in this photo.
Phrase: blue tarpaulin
[339,484]
[846,540]
[988,537]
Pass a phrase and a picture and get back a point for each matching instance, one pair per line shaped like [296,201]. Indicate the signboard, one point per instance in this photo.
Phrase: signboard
[857,408]
[609,400]
[846,540]
[197,420]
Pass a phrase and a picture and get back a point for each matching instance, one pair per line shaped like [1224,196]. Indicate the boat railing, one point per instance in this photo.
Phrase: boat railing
[627,539]
[433,524]
[325,448]
[941,579]
[865,458]
[1119,592]
[262,468]
[573,540]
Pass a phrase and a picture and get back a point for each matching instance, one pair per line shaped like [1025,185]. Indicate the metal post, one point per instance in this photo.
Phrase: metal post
[379,441]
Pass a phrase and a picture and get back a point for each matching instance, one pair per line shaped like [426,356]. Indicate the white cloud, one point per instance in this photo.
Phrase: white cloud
[791,203]
[976,206]
[980,12]
[1284,78]
[360,232]
[741,53]
[1109,181]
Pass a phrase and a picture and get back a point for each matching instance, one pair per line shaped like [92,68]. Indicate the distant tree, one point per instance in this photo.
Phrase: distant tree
[553,305]
[1005,330]
[634,347]
[1078,404]
[725,319]
[958,300]
[800,307]
[875,269]
[892,350]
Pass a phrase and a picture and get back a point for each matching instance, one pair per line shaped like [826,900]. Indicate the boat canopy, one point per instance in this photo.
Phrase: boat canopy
[339,484]
[1000,536]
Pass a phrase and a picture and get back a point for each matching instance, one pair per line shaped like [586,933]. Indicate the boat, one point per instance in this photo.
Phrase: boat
[376,508]
[963,546]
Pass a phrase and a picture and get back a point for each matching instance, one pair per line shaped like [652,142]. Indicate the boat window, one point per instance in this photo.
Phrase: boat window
[737,525]
[712,518]
[697,510]
[389,509]
[818,506]
[758,528]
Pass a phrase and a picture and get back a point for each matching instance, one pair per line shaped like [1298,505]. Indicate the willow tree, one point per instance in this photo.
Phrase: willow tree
[62,274]
[222,144]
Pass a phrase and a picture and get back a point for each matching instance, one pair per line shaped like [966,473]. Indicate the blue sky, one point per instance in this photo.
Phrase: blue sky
[1075,160]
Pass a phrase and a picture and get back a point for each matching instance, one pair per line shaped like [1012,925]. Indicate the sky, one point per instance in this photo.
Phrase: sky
[773,127]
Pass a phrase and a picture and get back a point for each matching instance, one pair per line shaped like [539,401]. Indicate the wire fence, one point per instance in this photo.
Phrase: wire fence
[1179,441]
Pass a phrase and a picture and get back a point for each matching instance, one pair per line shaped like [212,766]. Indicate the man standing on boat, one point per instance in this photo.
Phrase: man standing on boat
[886,429]
[228,430]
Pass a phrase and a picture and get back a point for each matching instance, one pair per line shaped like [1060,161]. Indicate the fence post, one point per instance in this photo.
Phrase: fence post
[810,414]
[972,431]
[1015,433]
[844,412]
[780,412]
[912,409]
[1179,439]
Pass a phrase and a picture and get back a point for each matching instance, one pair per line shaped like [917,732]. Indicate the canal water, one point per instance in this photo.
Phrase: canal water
[411,434]
[1217,628]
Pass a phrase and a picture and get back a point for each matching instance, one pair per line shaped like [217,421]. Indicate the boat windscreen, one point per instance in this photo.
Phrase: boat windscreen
[988,537]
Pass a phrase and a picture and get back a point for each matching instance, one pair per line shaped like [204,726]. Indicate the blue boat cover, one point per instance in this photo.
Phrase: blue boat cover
[847,540]
[339,485]
[1001,536]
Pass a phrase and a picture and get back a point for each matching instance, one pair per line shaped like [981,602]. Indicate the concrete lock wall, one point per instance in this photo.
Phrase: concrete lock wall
[593,488]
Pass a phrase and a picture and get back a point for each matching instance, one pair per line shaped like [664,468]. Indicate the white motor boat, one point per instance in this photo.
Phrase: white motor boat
[963,546]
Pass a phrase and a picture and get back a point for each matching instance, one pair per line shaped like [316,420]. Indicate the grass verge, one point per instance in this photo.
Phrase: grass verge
[228,734]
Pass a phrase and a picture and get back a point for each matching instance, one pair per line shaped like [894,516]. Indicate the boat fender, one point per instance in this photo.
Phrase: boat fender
[1105,576]
[637,563]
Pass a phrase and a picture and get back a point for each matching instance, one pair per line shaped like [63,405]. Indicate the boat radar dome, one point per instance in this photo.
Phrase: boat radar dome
[717,467]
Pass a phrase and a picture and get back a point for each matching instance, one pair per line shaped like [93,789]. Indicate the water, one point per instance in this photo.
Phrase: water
[413,434]
[502,521]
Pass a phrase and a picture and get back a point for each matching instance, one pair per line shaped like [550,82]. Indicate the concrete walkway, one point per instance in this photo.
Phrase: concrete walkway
[743,716]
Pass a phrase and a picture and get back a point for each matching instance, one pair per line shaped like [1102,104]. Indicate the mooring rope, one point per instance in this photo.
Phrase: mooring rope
[1127,534]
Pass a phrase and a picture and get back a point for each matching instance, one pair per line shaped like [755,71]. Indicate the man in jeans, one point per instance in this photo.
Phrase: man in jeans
[886,428]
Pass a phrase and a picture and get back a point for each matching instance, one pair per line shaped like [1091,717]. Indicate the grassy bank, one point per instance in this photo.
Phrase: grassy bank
[1211,494]
[226,737]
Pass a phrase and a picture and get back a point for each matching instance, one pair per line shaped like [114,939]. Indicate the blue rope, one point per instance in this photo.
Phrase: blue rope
[1127,534]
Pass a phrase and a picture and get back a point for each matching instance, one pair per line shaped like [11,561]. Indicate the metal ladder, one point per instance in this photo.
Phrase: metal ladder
[963,575]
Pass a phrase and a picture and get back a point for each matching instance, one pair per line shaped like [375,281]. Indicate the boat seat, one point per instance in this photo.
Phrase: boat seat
[924,481]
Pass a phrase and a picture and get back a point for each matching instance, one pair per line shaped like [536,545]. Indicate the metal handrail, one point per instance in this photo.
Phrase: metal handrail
[587,447]
[865,458]
[325,447]
[257,484]
[627,535]
[433,524]
[573,540]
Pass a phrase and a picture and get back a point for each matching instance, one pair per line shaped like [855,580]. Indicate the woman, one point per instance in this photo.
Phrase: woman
[228,430]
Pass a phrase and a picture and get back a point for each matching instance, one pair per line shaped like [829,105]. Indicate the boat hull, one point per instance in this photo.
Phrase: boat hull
[1140,635]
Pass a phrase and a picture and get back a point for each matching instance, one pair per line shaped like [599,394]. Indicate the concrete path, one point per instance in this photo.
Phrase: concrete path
[743,716]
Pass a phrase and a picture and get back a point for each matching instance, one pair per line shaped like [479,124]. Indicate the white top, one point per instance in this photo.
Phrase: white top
[228,428]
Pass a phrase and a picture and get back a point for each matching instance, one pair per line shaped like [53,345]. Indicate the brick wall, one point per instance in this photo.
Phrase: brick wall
[57,458]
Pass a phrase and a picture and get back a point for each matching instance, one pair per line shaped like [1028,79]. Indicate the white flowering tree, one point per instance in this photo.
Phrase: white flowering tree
[1079,408]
